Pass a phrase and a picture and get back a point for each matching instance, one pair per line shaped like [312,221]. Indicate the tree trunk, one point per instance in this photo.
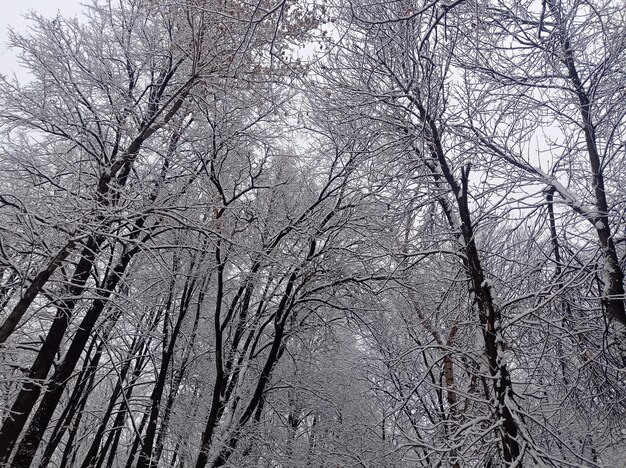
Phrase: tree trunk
[29,394]
[613,297]
[145,457]
[76,402]
[58,382]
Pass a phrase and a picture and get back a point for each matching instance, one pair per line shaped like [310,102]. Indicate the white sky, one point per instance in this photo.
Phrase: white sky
[12,14]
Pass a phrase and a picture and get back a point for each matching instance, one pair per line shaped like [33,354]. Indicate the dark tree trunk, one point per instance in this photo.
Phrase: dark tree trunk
[137,440]
[257,399]
[613,297]
[32,439]
[488,312]
[31,293]
[179,377]
[145,457]
[29,394]
[76,402]
[90,457]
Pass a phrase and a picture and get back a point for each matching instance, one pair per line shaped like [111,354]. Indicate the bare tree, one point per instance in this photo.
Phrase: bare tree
[115,115]
[406,70]
[404,252]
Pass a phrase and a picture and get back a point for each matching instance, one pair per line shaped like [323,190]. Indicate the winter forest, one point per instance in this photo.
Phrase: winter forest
[315,234]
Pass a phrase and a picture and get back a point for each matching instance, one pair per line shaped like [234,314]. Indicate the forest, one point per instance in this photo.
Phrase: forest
[315,234]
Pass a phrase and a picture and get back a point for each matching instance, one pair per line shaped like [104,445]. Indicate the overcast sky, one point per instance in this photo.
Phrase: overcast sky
[12,14]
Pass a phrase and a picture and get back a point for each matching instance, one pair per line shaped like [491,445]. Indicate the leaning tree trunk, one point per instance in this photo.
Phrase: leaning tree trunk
[29,394]
[613,297]
[29,444]
[488,313]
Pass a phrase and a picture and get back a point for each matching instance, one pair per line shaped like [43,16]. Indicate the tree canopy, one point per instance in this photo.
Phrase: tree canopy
[315,234]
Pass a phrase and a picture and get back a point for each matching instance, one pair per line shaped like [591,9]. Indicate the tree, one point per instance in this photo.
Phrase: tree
[566,79]
[404,251]
[407,71]
[116,116]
